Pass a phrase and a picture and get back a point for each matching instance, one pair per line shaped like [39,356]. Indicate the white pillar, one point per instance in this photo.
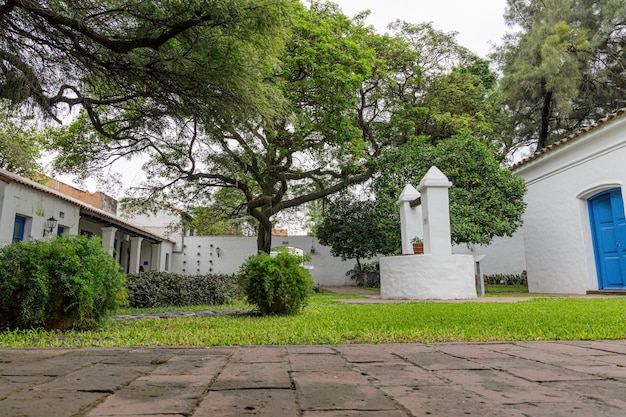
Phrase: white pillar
[436,212]
[108,239]
[410,218]
[157,265]
[135,254]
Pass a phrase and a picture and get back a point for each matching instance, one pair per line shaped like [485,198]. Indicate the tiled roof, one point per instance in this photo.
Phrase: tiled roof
[569,138]
[88,210]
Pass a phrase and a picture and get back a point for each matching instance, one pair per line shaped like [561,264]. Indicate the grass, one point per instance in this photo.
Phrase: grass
[329,321]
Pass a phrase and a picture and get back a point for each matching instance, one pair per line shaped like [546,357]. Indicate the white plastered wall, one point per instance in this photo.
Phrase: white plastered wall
[37,207]
[557,234]
[200,256]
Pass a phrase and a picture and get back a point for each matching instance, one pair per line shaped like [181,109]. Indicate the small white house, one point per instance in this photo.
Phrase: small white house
[574,232]
[31,211]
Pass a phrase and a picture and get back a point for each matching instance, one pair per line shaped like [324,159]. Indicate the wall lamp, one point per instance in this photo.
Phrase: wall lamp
[51,224]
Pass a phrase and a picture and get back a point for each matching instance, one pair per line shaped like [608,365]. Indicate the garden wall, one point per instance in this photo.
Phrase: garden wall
[225,254]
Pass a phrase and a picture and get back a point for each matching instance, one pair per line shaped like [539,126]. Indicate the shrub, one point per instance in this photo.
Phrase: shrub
[506,279]
[58,284]
[164,289]
[276,284]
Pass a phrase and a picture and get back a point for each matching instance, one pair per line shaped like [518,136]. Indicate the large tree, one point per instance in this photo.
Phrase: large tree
[563,65]
[129,64]
[348,94]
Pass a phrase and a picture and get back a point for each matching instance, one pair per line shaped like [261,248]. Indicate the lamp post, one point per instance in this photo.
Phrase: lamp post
[51,224]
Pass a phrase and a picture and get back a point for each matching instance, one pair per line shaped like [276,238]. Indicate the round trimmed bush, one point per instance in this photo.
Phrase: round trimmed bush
[276,284]
[58,284]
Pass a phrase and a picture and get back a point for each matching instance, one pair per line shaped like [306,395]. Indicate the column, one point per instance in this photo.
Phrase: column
[157,265]
[135,254]
[108,239]
[436,212]
[410,218]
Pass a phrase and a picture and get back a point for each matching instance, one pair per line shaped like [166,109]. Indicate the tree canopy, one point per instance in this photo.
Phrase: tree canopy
[486,199]
[359,230]
[563,65]
[21,143]
[129,64]
[282,115]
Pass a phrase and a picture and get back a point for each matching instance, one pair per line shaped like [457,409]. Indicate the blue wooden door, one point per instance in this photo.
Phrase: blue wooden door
[609,230]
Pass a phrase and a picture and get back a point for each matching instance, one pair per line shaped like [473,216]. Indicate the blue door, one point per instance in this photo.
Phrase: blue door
[18,228]
[609,233]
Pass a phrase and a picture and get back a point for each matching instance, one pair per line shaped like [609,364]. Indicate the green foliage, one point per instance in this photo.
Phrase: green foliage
[21,143]
[366,274]
[563,66]
[359,230]
[164,289]
[486,199]
[62,283]
[276,284]
[506,279]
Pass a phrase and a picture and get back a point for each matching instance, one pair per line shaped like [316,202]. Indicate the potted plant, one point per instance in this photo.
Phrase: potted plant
[418,245]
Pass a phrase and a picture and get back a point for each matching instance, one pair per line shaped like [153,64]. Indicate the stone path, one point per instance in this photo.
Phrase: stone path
[536,379]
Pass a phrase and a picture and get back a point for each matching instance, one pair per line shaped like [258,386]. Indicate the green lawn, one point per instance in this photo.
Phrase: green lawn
[328,321]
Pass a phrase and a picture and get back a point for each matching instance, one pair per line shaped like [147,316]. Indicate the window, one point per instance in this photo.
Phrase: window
[167,261]
[18,228]
[61,231]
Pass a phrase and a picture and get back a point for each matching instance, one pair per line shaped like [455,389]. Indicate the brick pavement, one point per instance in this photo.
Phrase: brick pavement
[581,378]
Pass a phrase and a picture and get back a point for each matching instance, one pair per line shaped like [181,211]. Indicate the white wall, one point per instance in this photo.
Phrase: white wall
[200,256]
[505,255]
[557,234]
[37,207]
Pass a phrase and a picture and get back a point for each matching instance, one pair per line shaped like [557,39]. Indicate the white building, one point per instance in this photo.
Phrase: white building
[29,210]
[574,232]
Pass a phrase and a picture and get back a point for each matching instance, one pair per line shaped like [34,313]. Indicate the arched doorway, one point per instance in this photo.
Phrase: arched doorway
[608,224]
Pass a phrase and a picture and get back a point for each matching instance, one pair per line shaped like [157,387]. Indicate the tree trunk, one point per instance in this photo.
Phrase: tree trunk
[360,279]
[264,238]
[545,119]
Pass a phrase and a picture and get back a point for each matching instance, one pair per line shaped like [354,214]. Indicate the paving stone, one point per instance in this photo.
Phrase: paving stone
[563,348]
[567,409]
[399,373]
[317,362]
[47,404]
[260,354]
[365,353]
[338,391]
[236,375]
[255,402]
[96,378]
[194,364]
[352,413]
[610,346]
[503,388]
[439,360]
[155,394]
[605,393]
[473,351]
[310,349]
[437,401]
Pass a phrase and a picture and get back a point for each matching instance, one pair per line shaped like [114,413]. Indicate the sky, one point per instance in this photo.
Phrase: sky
[479,24]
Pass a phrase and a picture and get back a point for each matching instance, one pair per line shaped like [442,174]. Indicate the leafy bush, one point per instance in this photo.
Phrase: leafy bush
[371,274]
[506,279]
[164,289]
[276,284]
[58,284]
